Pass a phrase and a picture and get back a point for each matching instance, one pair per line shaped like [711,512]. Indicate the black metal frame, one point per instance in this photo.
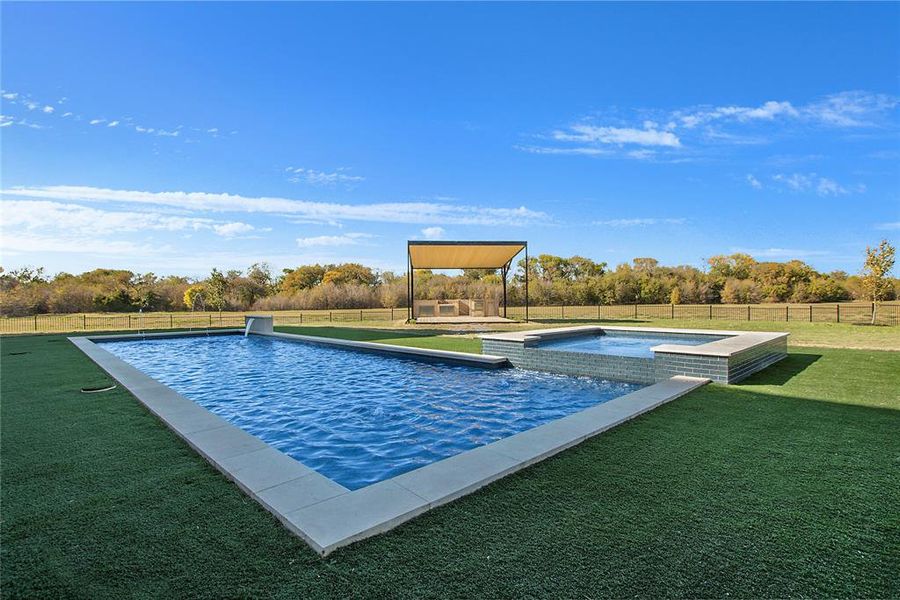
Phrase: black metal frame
[504,269]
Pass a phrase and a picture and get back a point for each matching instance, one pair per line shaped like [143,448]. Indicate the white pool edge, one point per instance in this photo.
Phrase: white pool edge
[327,515]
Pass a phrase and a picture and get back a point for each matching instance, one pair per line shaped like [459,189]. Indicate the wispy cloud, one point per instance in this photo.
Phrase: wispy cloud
[754,182]
[586,151]
[64,218]
[823,186]
[433,233]
[894,226]
[48,110]
[649,136]
[347,239]
[673,131]
[781,253]
[391,212]
[323,178]
[640,222]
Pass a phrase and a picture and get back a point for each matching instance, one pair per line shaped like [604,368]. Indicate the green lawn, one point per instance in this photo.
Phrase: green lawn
[785,485]
[822,335]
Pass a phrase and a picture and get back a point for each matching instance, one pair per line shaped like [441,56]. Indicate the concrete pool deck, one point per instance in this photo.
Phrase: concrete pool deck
[327,515]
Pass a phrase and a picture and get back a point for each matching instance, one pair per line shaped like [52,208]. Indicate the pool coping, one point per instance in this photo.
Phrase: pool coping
[735,342]
[325,514]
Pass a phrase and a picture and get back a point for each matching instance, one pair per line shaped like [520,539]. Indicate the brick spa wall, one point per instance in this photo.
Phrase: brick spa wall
[620,368]
[720,369]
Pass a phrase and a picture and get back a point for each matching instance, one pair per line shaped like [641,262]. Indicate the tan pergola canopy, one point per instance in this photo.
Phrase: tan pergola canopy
[463,255]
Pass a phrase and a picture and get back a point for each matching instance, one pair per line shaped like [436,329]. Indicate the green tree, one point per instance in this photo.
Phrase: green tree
[216,290]
[303,278]
[876,268]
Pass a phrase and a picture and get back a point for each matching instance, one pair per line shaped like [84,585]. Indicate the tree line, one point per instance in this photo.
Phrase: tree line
[730,279]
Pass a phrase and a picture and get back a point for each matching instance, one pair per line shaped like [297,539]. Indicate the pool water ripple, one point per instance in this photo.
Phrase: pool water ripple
[359,417]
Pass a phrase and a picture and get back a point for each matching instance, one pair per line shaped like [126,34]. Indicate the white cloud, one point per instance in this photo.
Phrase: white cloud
[823,186]
[68,243]
[795,181]
[97,121]
[433,233]
[830,187]
[781,253]
[5,121]
[851,109]
[232,229]
[112,124]
[642,222]
[888,226]
[754,182]
[618,135]
[10,95]
[390,212]
[64,219]
[669,130]
[48,110]
[314,177]
[767,111]
[587,151]
[348,239]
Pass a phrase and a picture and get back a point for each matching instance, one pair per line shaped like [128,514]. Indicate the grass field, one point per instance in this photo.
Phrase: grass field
[782,486]
[822,335]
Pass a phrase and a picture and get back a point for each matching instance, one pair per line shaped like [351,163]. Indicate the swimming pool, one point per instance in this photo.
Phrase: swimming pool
[620,344]
[357,417]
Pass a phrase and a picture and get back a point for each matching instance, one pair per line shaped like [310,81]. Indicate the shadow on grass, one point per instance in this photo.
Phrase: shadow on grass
[783,371]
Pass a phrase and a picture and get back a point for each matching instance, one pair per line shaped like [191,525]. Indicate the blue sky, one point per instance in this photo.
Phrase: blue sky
[175,138]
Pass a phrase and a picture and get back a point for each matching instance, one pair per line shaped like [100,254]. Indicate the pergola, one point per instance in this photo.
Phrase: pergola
[463,255]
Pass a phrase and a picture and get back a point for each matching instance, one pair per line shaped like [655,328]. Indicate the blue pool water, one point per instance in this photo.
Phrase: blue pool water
[358,417]
[624,345]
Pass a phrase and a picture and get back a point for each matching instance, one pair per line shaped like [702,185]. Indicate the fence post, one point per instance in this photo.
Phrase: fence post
[787,313]
[84,322]
[129,321]
[873,312]
[360,315]
[301,318]
[810,313]
[710,312]
[171,324]
[210,320]
[35,322]
[330,318]
[635,310]
[748,312]
[837,310]
[673,311]
[392,313]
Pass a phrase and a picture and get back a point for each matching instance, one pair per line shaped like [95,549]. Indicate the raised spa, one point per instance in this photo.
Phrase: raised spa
[638,354]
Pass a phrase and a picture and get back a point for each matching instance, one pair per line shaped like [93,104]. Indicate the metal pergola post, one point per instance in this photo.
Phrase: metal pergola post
[409,285]
[505,271]
[526,281]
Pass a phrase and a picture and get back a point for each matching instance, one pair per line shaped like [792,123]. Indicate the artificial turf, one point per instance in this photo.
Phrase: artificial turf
[786,485]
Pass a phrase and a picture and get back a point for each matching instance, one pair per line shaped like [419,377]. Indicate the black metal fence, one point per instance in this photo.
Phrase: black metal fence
[886,314]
